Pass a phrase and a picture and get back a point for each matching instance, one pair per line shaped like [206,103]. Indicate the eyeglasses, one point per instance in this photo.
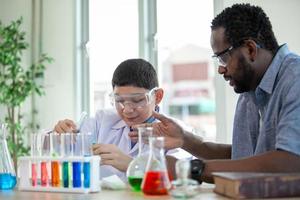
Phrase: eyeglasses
[134,100]
[223,56]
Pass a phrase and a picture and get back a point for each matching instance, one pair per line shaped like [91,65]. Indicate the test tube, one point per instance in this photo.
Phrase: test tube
[87,142]
[45,141]
[67,151]
[35,152]
[77,146]
[56,151]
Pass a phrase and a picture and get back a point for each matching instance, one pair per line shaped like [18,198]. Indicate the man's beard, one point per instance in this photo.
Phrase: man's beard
[243,76]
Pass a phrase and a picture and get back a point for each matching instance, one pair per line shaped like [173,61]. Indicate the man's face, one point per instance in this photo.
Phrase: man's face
[235,68]
[133,104]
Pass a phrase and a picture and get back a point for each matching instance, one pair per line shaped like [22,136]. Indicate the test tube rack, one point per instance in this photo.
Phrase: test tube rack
[25,171]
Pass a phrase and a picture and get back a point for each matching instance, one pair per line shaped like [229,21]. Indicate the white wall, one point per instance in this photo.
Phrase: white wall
[285,17]
[58,41]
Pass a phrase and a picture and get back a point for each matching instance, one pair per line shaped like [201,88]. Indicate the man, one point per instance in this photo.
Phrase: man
[266,132]
[135,95]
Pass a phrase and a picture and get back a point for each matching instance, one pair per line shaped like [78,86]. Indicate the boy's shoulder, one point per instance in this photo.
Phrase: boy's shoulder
[108,117]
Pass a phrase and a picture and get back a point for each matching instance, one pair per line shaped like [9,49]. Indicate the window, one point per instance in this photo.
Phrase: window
[113,31]
[183,59]
[185,64]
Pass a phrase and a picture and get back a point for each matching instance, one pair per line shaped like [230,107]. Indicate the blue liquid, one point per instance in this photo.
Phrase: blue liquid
[7,181]
[86,174]
[76,174]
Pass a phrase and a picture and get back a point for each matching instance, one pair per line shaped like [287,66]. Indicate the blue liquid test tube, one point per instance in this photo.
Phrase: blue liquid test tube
[86,174]
[76,166]
[76,174]
[86,146]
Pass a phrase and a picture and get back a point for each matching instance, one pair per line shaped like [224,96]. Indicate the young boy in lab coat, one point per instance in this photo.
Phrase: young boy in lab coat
[135,95]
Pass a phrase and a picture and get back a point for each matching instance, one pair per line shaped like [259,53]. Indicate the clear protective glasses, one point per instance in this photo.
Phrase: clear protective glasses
[223,56]
[134,100]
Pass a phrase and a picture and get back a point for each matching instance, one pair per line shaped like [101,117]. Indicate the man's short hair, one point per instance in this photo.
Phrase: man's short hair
[135,72]
[244,21]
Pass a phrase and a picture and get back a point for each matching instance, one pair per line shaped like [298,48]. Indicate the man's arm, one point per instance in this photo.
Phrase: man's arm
[273,161]
[206,150]
[177,137]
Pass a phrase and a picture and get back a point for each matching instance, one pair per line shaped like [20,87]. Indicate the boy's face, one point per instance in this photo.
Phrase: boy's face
[134,104]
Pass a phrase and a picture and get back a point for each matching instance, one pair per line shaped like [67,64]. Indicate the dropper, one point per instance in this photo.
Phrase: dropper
[79,123]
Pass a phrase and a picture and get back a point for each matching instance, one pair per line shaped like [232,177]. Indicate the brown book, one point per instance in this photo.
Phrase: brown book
[242,185]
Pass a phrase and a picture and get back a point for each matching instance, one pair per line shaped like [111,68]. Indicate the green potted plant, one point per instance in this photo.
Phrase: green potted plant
[17,83]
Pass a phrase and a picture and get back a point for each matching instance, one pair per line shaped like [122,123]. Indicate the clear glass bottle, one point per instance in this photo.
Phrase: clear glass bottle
[156,180]
[184,187]
[137,167]
[7,172]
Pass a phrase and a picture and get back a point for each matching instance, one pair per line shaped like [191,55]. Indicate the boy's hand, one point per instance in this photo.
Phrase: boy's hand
[65,126]
[111,155]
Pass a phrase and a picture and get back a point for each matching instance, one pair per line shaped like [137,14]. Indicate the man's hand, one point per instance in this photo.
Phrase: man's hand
[167,128]
[65,126]
[112,155]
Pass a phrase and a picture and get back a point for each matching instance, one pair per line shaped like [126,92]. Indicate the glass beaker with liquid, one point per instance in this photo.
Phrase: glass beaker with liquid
[7,172]
[156,180]
[137,167]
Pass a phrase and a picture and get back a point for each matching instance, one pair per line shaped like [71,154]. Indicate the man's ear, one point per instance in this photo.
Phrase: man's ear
[252,49]
[159,94]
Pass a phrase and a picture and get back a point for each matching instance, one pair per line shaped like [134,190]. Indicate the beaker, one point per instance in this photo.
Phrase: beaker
[137,167]
[7,172]
[156,180]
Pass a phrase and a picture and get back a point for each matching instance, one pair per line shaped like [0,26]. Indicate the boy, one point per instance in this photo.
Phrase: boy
[135,95]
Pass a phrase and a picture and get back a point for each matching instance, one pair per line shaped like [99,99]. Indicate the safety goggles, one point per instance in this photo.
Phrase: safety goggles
[134,100]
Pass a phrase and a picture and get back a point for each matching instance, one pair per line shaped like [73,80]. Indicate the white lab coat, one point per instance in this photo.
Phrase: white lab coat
[108,128]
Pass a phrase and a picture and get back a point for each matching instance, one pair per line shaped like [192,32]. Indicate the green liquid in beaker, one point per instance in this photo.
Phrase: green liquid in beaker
[135,183]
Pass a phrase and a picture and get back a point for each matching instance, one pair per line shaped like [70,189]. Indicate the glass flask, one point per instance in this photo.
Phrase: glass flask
[156,180]
[137,167]
[7,172]
[183,187]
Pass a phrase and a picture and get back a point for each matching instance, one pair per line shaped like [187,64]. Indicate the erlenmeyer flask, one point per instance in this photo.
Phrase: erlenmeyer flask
[156,180]
[137,167]
[7,171]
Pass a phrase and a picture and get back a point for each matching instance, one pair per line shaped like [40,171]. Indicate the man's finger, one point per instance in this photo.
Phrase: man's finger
[160,117]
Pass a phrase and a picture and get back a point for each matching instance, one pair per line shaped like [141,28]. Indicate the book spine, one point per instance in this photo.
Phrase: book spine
[270,187]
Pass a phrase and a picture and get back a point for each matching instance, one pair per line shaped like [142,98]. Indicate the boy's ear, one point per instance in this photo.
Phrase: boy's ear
[159,94]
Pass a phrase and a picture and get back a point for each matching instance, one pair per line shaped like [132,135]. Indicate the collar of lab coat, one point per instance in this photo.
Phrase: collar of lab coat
[119,124]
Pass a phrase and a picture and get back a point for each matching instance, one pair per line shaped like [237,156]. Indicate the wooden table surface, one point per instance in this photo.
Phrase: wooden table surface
[205,193]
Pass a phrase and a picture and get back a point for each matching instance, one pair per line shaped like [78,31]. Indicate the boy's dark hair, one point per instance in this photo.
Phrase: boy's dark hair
[244,21]
[135,72]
